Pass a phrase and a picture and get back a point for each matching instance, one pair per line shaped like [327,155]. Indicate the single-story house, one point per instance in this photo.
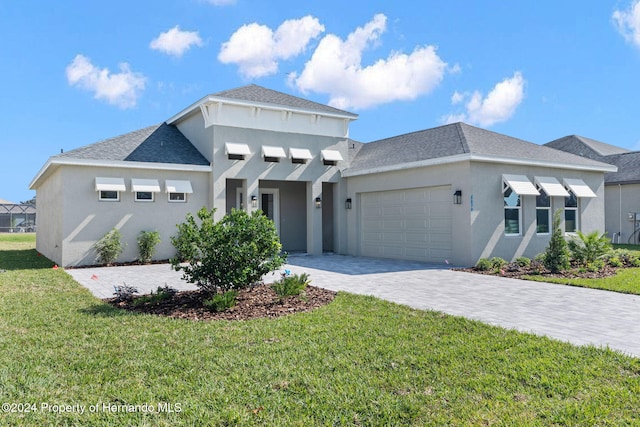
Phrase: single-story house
[621,188]
[451,194]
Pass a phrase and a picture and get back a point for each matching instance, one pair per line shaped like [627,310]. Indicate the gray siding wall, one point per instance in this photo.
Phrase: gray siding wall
[49,214]
[86,219]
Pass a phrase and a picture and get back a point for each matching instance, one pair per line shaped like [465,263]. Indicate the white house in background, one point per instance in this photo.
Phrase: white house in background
[454,193]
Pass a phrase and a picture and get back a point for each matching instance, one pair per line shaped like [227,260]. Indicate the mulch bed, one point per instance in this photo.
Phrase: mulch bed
[518,273]
[259,301]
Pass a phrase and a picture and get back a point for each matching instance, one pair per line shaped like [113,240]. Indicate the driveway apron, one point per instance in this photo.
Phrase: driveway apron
[580,316]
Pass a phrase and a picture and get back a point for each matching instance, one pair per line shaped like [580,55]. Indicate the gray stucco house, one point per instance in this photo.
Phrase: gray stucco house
[452,194]
[622,187]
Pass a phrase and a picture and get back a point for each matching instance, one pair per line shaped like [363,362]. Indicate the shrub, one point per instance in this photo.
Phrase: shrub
[587,248]
[556,256]
[230,254]
[185,242]
[147,242]
[109,247]
[483,264]
[624,256]
[523,262]
[162,294]
[614,261]
[221,302]
[290,285]
[498,263]
[124,292]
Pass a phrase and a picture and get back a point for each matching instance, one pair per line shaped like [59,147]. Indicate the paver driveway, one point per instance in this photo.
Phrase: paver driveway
[577,315]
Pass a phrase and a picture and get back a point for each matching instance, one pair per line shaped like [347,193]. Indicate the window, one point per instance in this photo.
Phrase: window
[512,215]
[236,151]
[177,190]
[571,213]
[273,154]
[178,197]
[144,189]
[331,157]
[106,195]
[543,213]
[300,155]
[144,196]
[109,188]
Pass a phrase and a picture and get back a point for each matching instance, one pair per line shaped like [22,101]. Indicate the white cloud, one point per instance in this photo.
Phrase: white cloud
[628,22]
[499,105]
[336,69]
[176,42]
[121,89]
[256,48]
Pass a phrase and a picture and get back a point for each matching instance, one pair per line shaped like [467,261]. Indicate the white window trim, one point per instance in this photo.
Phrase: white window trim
[547,208]
[138,199]
[184,197]
[102,199]
[576,209]
[519,209]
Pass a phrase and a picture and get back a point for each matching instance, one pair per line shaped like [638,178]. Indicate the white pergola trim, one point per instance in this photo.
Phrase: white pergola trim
[579,188]
[551,186]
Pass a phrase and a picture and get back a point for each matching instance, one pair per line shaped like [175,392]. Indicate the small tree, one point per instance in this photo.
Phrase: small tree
[109,247]
[147,242]
[556,256]
[230,254]
[587,248]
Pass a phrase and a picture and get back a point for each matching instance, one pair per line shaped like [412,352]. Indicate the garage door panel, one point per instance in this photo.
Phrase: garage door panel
[410,224]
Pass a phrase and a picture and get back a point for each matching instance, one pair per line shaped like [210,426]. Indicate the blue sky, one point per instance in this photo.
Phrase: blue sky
[76,72]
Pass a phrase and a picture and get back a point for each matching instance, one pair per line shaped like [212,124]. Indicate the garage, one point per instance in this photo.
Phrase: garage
[412,224]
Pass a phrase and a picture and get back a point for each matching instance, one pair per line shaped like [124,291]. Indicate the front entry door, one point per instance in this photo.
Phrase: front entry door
[270,205]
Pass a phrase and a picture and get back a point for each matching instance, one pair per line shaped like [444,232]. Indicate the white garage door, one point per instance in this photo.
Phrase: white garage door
[410,224]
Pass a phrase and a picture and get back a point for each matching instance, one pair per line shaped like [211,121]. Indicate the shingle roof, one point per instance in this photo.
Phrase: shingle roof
[585,147]
[263,95]
[628,162]
[454,139]
[154,144]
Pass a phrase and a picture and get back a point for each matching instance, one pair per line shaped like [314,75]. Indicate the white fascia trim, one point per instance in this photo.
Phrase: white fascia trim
[411,165]
[215,100]
[543,163]
[117,164]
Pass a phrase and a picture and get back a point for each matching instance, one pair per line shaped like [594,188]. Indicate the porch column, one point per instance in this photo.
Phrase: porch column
[314,218]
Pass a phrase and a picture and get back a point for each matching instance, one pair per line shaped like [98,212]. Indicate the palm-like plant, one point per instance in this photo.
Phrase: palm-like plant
[587,248]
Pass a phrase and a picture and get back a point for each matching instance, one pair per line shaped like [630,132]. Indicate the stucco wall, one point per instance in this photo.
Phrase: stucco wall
[487,218]
[253,170]
[192,127]
[49,211]
[620,200]
[86,219]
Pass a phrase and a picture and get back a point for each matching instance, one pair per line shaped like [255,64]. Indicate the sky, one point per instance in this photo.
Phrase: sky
[76,72]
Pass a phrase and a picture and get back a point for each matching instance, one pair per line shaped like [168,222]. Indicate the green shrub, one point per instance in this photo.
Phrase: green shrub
[290,285]
[124,292]
[221,302]
[498,263]
[556,256]
[587,248]
[523,262]
[109,247]
[230,254]
[614,261]
[625,257]
[483,264]
[162,294]
[147,242]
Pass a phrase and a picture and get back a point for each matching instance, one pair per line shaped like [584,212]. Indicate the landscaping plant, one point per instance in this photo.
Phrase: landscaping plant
[221,302]
[556,256]
[587,248]
[290,284]
[147,242]
[109,247]
[230,254]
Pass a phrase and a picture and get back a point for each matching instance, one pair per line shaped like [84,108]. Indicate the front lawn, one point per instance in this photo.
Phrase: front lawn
[626,280]
[356,361]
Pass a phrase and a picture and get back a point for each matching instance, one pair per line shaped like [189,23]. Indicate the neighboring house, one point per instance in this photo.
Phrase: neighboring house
[17,217]
[452,194]
[622,188]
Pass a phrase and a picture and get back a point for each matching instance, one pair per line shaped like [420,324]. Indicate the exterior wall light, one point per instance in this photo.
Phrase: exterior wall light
[318,202]
[347,204]
[254,201]
[457,197]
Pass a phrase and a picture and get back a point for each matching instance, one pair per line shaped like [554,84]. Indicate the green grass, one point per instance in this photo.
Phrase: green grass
[626,280]
[357,361]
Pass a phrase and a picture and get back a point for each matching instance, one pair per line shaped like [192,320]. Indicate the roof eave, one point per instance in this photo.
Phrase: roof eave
[211,99]
[603,167]
[54,163]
